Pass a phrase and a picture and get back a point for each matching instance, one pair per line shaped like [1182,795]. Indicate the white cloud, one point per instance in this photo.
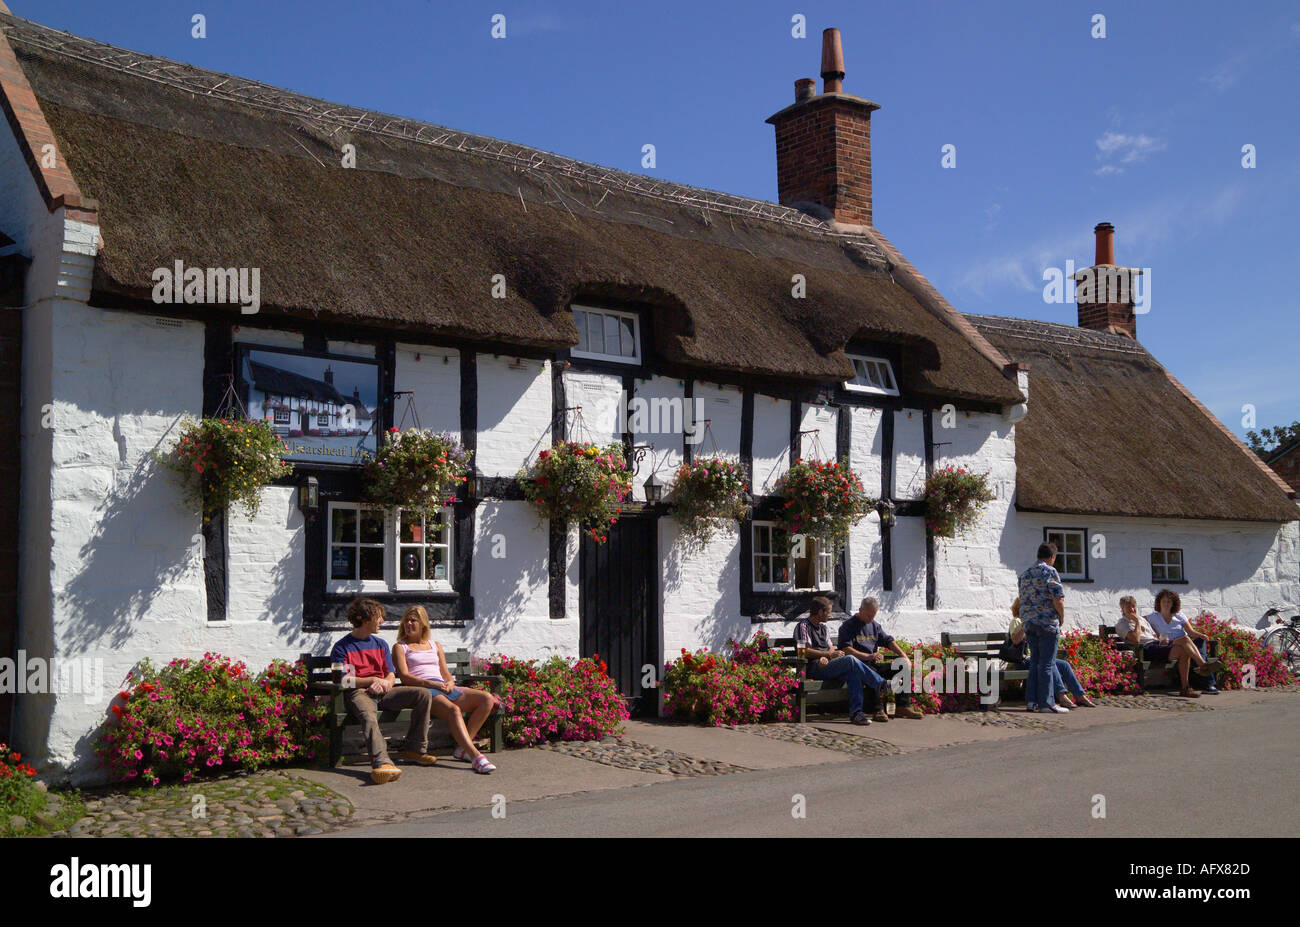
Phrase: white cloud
[1128,148]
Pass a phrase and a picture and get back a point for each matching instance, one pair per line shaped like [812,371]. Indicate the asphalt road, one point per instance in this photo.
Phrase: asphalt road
[1200,773]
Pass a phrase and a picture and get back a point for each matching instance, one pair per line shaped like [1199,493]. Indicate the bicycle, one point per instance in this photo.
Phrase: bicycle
[1284,640]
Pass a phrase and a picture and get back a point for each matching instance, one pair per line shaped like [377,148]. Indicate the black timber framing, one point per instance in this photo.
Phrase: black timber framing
[558,535]
[927,425]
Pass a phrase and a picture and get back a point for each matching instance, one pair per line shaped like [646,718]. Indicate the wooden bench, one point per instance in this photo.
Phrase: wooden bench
[1151,674]
[981,647]
[320,681]
[820,693]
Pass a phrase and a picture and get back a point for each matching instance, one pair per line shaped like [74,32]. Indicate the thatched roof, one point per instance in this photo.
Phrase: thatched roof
[1111,432]
[215,170]
[270,379]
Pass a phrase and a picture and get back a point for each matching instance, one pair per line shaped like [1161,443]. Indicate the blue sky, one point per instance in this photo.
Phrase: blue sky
[1054,130]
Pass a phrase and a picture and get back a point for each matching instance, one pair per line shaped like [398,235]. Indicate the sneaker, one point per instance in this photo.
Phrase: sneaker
[861,719]
[386,773]
[483,765]
[1212,690]
[459,754]
[880,716]
[419,757]
[1054,709]
[911,713]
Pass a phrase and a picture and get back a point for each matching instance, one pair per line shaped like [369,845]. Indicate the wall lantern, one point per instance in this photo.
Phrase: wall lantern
[473,477]
[654,489]
[309,496]
[885,508]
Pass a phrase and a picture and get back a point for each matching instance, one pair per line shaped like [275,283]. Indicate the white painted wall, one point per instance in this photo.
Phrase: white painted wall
[514,413]
[434,375]
[771,442]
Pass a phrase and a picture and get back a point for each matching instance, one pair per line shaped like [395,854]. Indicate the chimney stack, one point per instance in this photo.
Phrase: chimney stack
[1105,292]
[823,145]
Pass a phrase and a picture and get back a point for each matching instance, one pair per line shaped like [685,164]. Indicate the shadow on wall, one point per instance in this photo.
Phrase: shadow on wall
[503,583]
[137,553]
[723,620]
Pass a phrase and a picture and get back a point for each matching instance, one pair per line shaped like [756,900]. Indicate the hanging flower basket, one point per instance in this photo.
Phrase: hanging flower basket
[579,482]
[707,495]
[954,499]
[225,462]
[417,470]
[822,500]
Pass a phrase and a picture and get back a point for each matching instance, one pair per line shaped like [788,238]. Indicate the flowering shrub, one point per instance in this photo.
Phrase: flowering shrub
[417,470]
[954,499]
[579,482]
[1239,648]
[823,500]
[18,793]
[929,698]
[1100,667]
[203,716]
[747,687]
[224,462]
[707,495]
[557,700]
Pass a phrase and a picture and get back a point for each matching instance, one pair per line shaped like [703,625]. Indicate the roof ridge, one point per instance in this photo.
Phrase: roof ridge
[254,93]
[1087,337]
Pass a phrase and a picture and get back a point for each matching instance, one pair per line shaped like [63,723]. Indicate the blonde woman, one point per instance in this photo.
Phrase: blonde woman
[1063,678]
[421,663]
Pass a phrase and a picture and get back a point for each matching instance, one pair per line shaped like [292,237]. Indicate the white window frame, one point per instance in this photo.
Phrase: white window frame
[392,546]
[446,542]
[861,385]
[1061,553]
[635,358]
[824,564]
[277,420]
[1166,565]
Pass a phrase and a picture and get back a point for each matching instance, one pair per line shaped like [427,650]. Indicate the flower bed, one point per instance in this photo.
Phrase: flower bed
[579,482]
[823,500]
[707,495]
[927,698]
[417,470]
[557,699]
[746,687]
[1100,667]
[205,716]
[954,499]
[1239,649]
[225,462]
[19,795]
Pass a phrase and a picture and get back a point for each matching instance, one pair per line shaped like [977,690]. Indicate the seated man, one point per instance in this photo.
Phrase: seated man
[1168,622]
[861,636]
[1136,630]
[374,689]
[826,662]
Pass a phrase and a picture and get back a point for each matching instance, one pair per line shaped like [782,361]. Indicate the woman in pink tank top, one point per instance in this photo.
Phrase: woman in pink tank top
[421,662]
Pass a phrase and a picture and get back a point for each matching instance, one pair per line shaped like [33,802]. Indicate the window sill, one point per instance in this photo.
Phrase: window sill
[1064,580]
[1171,582]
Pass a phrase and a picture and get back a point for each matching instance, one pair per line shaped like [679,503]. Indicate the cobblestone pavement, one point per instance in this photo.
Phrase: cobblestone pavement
[1017,718]
[629,754]
[811,736]
[270,803]
[1157,702]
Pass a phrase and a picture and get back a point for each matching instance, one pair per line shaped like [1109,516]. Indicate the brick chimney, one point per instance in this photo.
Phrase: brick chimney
[823,145]
[1105,292]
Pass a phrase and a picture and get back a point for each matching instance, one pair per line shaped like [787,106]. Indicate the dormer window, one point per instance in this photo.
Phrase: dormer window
[608,335]
[872,375]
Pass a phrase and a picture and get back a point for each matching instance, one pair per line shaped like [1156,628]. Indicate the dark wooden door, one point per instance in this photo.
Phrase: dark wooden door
[617,609]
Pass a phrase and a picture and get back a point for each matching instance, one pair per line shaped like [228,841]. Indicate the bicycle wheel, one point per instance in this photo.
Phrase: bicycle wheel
[1285,642]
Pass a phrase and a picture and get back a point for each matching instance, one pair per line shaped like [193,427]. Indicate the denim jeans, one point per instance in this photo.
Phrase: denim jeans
[855,674]
[1063,680]
[1042,664]
[1196,679]
[885,670]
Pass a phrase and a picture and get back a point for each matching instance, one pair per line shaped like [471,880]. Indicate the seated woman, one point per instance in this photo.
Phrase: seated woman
[1178,640]
[420,662]
[1063,677]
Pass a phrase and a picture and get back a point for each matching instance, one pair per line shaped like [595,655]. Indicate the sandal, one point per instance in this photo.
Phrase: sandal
[1084,702]
[483,765]
[1188,693]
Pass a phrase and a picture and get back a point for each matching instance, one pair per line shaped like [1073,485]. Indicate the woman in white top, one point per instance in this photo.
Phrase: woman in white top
[1175,630]
[420,662]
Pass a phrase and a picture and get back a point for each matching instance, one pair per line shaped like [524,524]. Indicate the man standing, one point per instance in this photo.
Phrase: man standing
[827,662]
[1042,609]
[861,636]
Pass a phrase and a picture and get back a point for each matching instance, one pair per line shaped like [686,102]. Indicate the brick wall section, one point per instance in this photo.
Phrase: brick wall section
[823,155]
[1288,468]
[30,128]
